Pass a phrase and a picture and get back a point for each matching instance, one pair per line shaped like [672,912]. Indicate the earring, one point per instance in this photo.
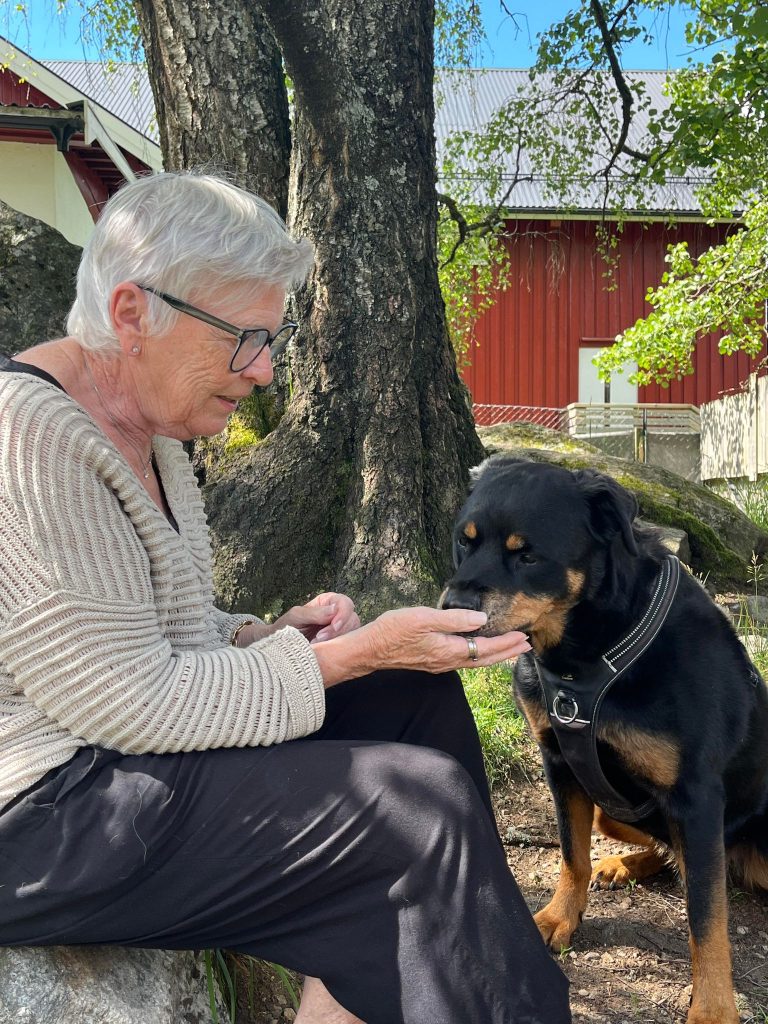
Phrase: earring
[136,349]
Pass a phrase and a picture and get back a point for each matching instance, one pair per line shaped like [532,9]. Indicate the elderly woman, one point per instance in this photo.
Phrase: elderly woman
[172,776]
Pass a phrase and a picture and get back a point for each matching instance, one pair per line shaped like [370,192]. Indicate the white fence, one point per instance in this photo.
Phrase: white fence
[656,418]
[591,420]
[734,434]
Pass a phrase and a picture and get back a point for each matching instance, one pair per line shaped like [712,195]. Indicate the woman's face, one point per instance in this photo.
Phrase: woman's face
[185,386]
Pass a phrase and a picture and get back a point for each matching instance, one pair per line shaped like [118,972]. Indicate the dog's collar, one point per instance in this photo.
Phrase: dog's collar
[574,699]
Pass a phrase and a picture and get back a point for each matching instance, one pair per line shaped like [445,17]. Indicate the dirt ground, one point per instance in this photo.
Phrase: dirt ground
[629,960]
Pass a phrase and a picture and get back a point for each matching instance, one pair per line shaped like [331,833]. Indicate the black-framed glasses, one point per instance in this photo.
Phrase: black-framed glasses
[251,341]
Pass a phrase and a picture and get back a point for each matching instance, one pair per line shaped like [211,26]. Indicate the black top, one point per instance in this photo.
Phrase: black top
[16,366]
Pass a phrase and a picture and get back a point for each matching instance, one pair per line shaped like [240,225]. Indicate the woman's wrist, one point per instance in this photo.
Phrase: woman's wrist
[250,631]
[345,657]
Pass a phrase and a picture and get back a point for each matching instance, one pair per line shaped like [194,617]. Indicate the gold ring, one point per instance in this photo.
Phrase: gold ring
[471,648]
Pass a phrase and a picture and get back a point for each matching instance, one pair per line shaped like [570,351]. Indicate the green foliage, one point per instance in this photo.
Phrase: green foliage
[725,289]
[471,273]
[239,974]
[458,32]
[500,725]
[109,25]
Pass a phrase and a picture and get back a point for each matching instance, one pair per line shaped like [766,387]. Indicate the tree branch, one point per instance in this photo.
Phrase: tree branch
[627,100]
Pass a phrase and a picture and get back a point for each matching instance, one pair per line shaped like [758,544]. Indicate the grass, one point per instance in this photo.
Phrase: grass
[746,625]
[503,733]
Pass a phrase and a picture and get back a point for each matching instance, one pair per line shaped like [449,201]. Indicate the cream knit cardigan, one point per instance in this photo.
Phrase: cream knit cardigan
[108,633]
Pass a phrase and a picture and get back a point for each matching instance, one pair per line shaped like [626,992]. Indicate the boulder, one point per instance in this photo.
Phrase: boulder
[722,539]
[38,267]
[750,609]
[673,540]
[103,985]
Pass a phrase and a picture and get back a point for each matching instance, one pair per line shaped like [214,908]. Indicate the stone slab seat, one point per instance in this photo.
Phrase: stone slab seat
[103,985]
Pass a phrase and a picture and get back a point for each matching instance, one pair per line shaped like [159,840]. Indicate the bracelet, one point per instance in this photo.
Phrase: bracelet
[245,622]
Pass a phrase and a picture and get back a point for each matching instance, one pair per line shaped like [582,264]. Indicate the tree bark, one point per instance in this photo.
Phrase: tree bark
[219,88]
[357,487]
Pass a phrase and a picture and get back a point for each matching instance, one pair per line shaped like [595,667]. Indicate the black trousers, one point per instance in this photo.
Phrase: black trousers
[365,855]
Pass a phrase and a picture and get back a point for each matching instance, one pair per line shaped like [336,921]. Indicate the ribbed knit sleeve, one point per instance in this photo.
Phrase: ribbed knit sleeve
[107,625]
[226,624]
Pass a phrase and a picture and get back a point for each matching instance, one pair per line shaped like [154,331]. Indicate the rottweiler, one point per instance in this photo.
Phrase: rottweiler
[651,719]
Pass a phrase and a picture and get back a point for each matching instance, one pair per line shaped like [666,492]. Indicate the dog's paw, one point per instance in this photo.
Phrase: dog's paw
[555,929]
[610,873]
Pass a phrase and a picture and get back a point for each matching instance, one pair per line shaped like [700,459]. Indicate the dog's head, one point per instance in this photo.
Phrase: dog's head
[532,539]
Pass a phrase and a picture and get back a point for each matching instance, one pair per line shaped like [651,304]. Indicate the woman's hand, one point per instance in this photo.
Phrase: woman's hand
[416,638]
[322,618]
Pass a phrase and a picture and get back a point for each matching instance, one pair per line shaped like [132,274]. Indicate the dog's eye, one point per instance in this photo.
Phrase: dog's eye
[527,558]
[462,541]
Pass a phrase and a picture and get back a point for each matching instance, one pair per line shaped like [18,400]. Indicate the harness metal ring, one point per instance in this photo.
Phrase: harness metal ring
[559,705]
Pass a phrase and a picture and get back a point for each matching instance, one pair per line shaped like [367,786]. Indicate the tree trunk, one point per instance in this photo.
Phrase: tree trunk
[219,88]
[357,487]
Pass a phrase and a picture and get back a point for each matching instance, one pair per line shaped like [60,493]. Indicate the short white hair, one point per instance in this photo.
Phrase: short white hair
[184,233]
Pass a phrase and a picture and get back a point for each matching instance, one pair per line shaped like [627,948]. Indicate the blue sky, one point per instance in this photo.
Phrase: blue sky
[511,41]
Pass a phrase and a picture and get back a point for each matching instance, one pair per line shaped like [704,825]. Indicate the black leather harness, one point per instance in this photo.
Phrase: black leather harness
[574,700]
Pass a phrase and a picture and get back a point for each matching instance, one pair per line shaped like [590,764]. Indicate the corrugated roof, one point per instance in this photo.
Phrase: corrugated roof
[467,99]
[122,89]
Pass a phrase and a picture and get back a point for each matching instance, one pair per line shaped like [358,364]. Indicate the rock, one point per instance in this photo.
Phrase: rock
[38,267]
[103,985]
[673,540]
[721,538]
[752,608]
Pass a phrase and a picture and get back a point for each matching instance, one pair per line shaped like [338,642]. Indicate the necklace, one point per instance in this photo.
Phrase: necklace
[145,463]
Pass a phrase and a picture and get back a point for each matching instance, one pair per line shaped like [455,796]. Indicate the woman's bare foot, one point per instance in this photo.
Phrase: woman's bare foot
[319,1007]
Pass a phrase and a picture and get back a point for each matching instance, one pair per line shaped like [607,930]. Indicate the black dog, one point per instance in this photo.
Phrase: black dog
[647,711]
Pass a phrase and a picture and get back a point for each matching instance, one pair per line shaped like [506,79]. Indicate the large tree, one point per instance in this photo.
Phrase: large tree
[357,486]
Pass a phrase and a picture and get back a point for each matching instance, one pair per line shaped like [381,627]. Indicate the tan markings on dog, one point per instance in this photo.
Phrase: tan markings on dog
[712,1000]
[514,542]
[562,915]
[470,530]
[542,617]
[621,870]
[575,583]
[749,866]
[656,758]
[537,718]
[620,830]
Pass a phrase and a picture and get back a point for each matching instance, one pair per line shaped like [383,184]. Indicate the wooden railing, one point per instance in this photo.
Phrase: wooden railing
[659,418]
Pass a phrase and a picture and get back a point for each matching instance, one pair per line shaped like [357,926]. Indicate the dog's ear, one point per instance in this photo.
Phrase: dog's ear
[612,508]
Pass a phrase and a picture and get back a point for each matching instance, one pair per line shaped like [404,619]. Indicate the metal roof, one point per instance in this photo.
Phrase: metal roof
[467,99]
[122,89]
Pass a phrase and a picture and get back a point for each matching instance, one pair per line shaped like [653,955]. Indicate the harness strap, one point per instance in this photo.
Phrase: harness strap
[574,699]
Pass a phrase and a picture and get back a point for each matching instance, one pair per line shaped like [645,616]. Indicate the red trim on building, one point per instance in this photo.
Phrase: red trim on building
[92,187]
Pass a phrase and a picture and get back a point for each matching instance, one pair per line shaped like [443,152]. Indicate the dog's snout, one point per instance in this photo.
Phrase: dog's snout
[461,597]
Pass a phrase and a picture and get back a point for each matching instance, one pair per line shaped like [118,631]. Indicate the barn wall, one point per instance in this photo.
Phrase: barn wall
[526,347]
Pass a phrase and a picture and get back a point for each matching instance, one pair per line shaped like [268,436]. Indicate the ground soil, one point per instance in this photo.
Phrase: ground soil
[629,960]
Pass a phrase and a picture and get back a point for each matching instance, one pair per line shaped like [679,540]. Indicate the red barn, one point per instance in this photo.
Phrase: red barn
[534,347]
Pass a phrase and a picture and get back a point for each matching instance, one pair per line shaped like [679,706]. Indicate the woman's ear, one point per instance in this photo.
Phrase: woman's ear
[128,311]
[612,508]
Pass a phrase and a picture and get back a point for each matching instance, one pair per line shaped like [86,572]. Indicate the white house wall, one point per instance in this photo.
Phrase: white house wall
[36,180]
